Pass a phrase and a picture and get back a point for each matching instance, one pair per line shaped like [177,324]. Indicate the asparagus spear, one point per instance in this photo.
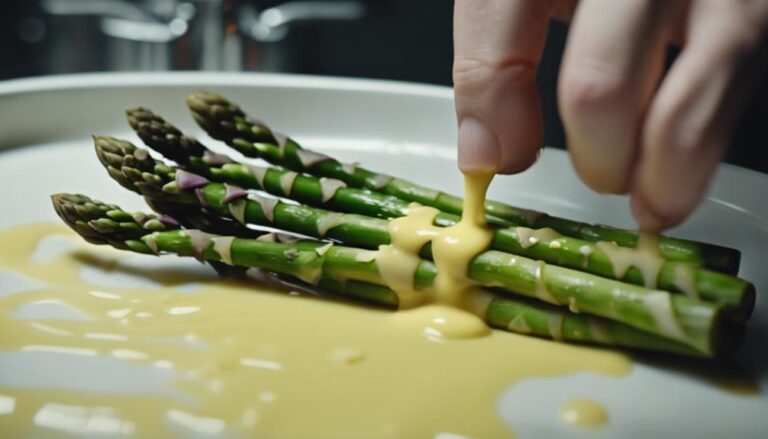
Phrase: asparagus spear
[527,317]
[193,217]
[101,223]
[343,271]
[169,141]
[736,294]
[634,305]
[224,120]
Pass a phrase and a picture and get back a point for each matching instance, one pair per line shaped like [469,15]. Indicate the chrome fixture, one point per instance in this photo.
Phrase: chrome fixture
[175,34]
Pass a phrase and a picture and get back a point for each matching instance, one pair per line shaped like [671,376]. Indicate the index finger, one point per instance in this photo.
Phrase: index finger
[497,48]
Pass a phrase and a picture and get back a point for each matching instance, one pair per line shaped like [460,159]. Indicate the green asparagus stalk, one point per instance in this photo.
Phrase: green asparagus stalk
[224,120]
[630,304]
[135,170]
[349,271]
[736,294]
[528,317]
[193,217]
[169,141]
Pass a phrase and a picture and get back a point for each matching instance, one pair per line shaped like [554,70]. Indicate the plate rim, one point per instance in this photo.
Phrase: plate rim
[283,80]
[261,79]
[720,191]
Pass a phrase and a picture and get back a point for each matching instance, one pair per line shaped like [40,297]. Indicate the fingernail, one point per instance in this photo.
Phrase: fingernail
[647,219]
[479,149]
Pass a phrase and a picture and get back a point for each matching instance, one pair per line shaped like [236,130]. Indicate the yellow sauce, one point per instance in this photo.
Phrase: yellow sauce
[398,261]
[685,279]
[439,322]
[584,413]
[453,248]
[527,237]
[250,361]
[646,257]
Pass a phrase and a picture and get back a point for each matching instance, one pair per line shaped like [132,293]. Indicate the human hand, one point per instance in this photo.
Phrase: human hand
[628,129]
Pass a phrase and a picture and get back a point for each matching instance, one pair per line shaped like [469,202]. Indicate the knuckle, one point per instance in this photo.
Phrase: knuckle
[472,73]
[685,137]
[679,135]
[589,89]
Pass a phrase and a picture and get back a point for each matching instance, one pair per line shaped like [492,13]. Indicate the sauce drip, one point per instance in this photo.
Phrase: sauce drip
[527,237]
[453,248]
[646,257]
[685,279]
[584,413]
[398,261]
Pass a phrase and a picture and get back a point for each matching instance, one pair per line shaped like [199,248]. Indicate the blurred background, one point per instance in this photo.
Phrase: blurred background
[389,39]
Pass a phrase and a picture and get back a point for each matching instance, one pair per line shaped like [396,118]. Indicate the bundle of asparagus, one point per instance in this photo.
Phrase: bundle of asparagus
[213,206]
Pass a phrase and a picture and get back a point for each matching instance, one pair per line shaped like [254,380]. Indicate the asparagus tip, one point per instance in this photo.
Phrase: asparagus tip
[78,211]
[163,137]
[208,98]
[101,223]
[138,115]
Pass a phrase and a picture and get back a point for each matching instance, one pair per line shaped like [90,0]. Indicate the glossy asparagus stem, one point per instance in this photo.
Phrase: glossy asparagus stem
[193,217]
[630,304]
[224,120]
[343,271]
[533,318]
[332,194]
[737,294]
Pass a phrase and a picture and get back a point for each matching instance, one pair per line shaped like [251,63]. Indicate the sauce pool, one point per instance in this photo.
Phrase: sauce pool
[242,359]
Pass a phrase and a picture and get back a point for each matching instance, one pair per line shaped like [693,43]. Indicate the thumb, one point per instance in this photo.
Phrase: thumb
[497,47]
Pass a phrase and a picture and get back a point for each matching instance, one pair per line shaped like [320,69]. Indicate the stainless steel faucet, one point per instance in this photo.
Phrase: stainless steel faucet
[179,34]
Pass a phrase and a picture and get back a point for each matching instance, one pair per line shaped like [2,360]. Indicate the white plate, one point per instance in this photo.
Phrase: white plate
[406,130]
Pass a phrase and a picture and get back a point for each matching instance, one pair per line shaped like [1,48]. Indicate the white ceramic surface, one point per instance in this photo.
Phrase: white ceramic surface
[398,128]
